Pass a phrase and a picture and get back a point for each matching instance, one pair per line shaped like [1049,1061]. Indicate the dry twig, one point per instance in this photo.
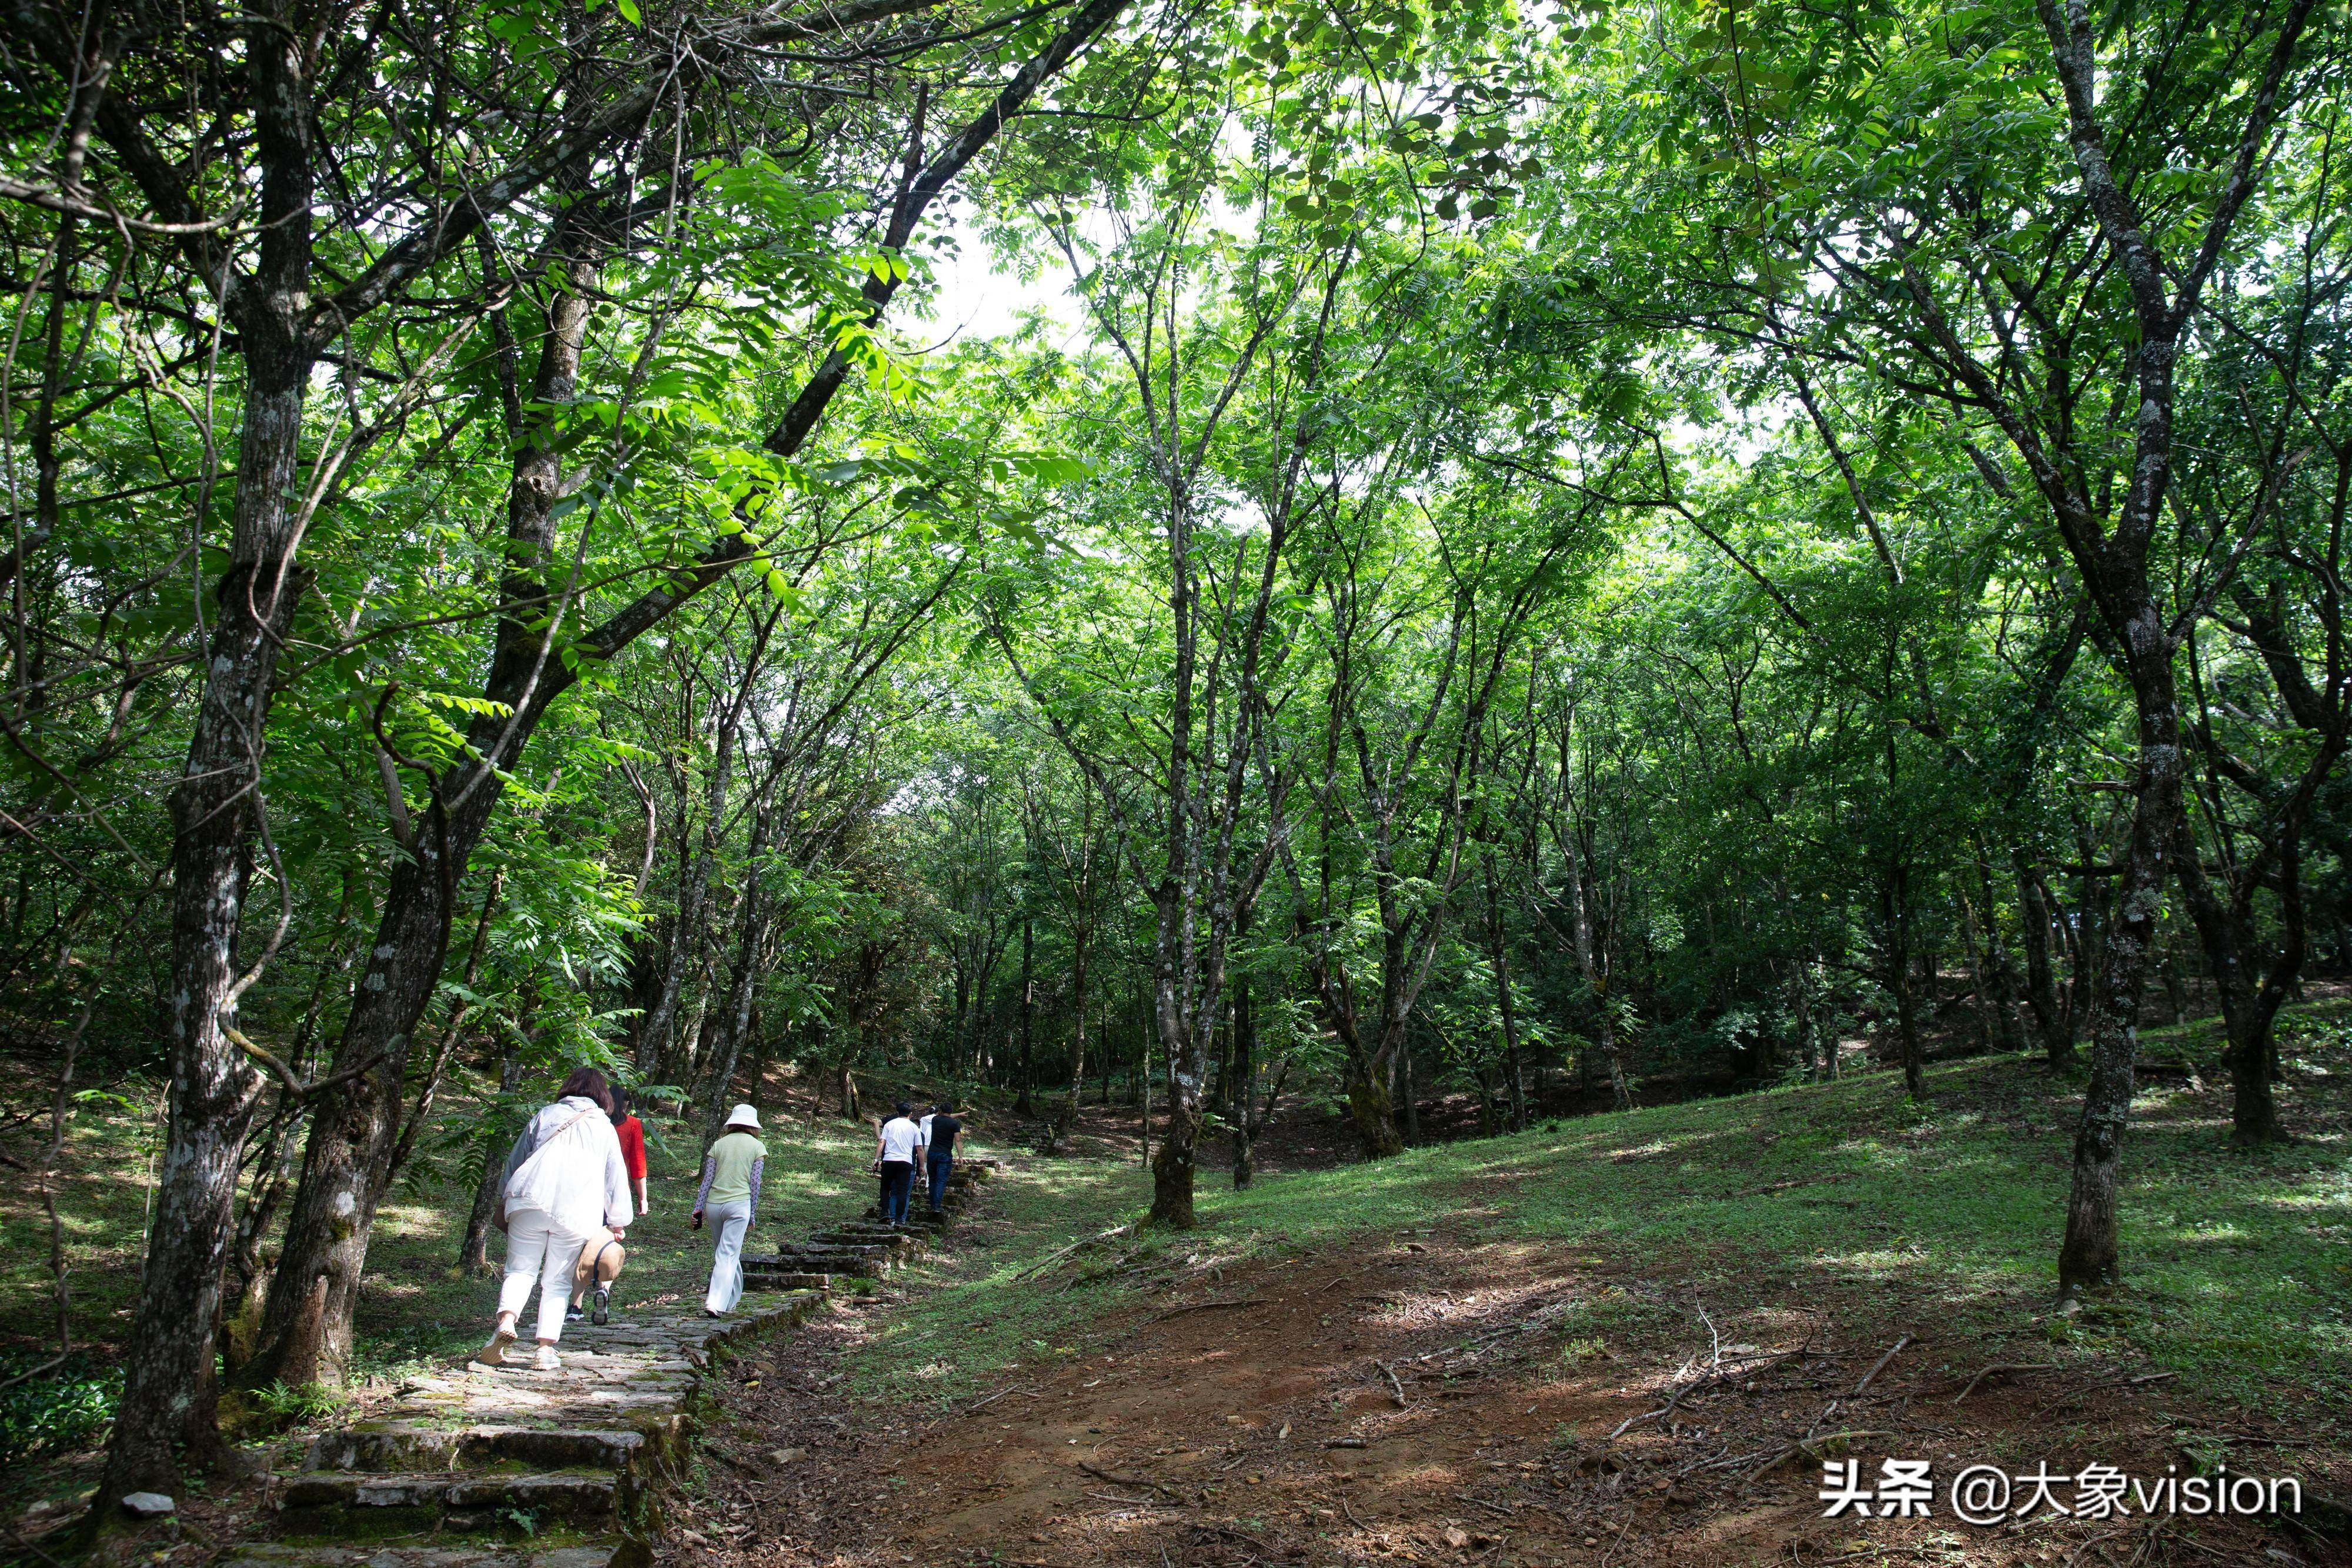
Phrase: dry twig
[1210,1306]
[1892,1350]
[1119,1480]
[2000,1366]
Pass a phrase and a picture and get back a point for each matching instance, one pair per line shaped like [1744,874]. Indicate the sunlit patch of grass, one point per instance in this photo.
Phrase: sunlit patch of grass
[2235,1274]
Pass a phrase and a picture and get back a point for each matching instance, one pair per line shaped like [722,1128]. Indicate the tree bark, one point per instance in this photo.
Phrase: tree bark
[1895,908]
[2050,1018]
[474,1250]
[169,1396]
[1027,1104]
[1499,957]
[2091,1255]
[735,1011]
[2249,1003]
[1241,1069]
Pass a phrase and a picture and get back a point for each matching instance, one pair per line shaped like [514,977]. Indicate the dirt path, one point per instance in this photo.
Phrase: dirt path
[1253,1416]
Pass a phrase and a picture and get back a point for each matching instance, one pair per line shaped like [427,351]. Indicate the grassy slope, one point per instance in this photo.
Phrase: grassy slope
[2241,1264]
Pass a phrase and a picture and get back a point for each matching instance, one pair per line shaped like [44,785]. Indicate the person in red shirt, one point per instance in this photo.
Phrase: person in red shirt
[632,1133]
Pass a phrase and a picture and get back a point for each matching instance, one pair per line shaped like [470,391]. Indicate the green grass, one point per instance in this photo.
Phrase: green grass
[2238,1264]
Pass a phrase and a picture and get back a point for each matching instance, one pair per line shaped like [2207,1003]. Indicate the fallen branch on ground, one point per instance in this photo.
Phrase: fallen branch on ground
[1113,1234]
[1204,1531]
[2000,1366]
[2061,1400]
[1210,1306]
[1396,1389]
[1892,1350]
[1119,1480]
[1714,1379]
[1806,1446]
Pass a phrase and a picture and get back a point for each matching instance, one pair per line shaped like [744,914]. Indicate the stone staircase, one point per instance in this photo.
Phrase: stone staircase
[865,1248]
[509,1466]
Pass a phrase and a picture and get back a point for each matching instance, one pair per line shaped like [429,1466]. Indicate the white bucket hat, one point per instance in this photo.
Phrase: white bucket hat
[744,1116]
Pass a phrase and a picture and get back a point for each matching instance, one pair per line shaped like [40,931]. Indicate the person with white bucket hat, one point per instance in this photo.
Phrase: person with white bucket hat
[731,1170]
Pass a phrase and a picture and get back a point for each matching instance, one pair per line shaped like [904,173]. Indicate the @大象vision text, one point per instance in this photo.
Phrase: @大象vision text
[1988,1494]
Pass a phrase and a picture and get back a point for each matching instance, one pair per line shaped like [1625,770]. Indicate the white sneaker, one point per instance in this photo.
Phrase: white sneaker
[547,1360]
[494,1353]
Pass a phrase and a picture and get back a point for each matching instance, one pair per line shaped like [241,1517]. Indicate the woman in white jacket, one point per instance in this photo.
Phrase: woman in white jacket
[565,1183]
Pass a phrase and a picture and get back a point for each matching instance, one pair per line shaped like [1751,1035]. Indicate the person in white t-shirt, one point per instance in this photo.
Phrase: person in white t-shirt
[566,1183]
[895,1156]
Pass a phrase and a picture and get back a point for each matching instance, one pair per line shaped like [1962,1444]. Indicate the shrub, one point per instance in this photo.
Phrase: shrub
[61,1411]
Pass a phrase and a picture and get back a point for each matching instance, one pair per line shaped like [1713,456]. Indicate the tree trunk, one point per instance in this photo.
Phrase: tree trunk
[2249,1001]
[306,1328]
[2050,1015]
[1173,1168]
[1078,1015]
[1592,953]
[1412,1095]
[734,1013]
[169,1396]
[1895,906]
[473,1251]
[1800,1004]
[2091,1254]
[1026,1103]
[1979,980]
[1499,957]
[246,1284]
[1242,1069]
[658,1040]
[2006,1035]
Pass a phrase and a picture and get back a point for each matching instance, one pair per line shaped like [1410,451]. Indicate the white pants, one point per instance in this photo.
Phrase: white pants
[538,1253]
[728,1222]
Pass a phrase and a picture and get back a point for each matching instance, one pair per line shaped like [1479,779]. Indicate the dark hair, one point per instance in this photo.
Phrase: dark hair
[947,1106]
[906,1108]
[588,1083]
[620,1105]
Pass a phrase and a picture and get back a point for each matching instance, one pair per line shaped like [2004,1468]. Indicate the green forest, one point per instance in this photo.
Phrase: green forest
[1352,620]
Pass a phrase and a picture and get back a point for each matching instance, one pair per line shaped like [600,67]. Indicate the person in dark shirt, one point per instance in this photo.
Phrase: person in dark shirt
[944,1128]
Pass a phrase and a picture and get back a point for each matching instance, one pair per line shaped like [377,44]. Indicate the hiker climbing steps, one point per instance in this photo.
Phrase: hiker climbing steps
[865,1248]
[470,1464]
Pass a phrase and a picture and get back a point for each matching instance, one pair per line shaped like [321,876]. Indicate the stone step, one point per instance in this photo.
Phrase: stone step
[879,1251]
[857,1234]
[777,1273]
[416,1446]
[895,1241]
[345,1503]
[775,1279]
[612,1553]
